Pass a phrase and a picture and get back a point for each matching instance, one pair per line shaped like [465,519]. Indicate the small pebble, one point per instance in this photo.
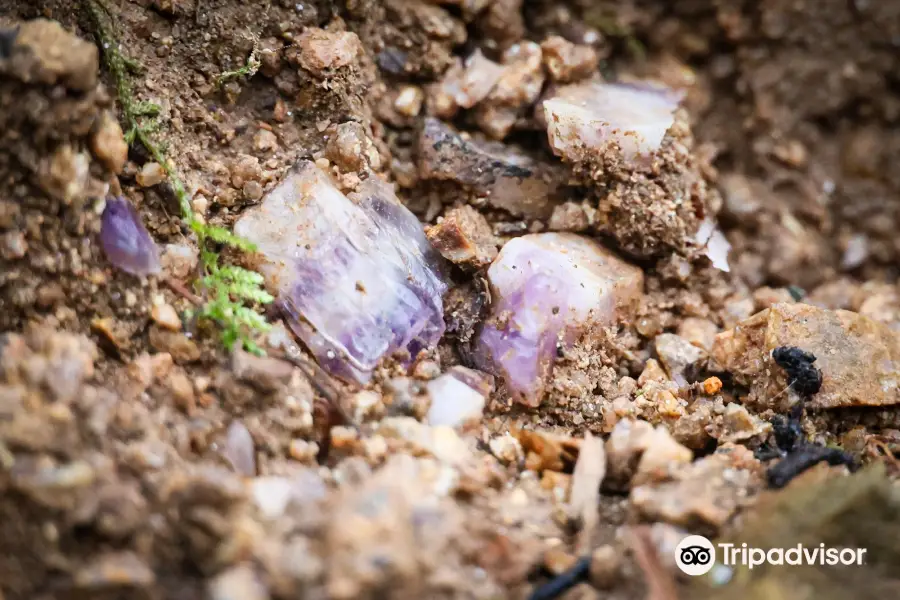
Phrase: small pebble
[166,316]
[606,566]
[151,174]
[409,101]
[239,449]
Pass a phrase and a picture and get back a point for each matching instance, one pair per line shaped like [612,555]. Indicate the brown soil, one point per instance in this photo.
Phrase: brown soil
[125,467]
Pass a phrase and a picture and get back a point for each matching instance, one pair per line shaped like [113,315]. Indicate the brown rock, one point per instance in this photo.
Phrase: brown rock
[567,62]
[699,332]
[322,50]
[464,85]
[166,316]
[516,90]
[606,567]
[43,52]
[350,148]
[108,144]
[661,456]
[151,174]
[677,355]
[182,349]
[182,390]
[703,494]
[859,358]
[505,178]
[114,571]
[265,373]
[464,237]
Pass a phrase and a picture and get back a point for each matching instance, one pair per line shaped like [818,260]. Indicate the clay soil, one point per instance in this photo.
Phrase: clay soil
[139,459]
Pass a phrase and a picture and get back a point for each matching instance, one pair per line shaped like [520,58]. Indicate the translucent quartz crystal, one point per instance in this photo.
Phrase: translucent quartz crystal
[714,243]
[547,289]
[125,240]
[355,275]
[458,396]
[583,119]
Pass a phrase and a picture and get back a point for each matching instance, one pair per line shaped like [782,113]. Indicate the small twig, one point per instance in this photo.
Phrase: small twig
[179,288]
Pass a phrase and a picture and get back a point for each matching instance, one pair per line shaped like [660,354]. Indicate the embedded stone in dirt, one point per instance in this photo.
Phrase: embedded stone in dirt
[458,396]
[548,289]
[859,357]
[465,84]
[356,276]
[125,240]
[464,237]
[505,178]
[705,493]
[588,118]
[43,52]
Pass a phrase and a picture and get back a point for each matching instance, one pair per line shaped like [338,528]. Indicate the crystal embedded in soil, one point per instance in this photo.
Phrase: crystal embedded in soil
[356,277]
[548,288]
[125,240]
[585,118]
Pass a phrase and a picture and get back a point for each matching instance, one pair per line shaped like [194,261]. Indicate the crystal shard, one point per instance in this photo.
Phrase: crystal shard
[125,240]
[355,276]
[548,288]
[584,119]
[458,396]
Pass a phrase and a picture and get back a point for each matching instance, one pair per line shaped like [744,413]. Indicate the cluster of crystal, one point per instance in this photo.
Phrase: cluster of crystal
[355,275]
[125,240]
[547,289]
[586,118]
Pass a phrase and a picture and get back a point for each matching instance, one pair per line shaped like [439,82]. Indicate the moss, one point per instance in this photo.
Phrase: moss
[229,292]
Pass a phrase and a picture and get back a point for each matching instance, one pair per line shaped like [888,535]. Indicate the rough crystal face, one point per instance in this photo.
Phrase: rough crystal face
[548,288]
[125,240]
[585,118]
[356,277]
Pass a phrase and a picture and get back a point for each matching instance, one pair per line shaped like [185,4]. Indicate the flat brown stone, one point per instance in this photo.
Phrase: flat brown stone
[859,357]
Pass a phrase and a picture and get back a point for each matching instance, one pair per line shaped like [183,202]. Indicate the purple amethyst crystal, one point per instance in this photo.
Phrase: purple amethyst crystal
[125,240]
[356,276]
[549,288]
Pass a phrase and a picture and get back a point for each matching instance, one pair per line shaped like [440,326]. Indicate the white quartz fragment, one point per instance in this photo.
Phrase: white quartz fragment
[583,119]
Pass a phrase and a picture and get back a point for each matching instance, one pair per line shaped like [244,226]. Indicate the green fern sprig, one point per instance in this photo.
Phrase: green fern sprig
[230,293]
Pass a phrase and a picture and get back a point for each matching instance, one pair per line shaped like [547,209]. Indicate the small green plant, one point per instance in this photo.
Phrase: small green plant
[248,70]
[228,292]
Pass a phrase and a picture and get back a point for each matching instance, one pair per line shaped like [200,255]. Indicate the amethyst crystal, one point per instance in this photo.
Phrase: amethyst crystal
[125,240]
[585,118]
[355,276]
[548,289]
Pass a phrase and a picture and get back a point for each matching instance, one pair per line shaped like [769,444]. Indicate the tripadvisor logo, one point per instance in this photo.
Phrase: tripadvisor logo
[696,555]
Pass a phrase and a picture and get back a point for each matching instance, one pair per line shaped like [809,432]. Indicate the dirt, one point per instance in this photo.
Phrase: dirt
[140,459]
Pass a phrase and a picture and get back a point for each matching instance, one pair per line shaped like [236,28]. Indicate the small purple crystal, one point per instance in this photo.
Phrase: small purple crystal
[548,289]
[125,240]
[356,276]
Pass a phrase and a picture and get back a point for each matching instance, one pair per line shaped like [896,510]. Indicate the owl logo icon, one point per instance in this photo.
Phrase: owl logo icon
[695,555]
